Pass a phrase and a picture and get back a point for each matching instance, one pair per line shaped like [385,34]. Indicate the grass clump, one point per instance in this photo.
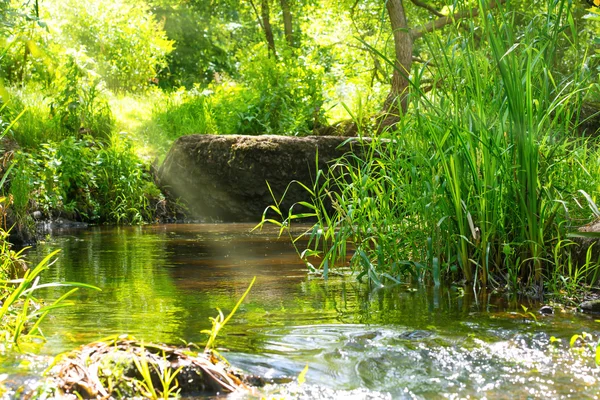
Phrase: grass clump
[22,312]
[480,178]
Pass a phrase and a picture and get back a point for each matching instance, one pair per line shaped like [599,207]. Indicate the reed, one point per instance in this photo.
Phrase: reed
[481,177]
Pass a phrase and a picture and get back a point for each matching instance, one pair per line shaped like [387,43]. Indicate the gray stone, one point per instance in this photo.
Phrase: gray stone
[590,306]
[546,310]
[586,236]
[225,177]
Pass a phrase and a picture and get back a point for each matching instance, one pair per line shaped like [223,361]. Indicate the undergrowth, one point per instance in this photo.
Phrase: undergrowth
[84,180]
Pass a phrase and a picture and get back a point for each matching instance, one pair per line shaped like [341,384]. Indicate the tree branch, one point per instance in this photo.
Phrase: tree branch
[421,61]
[449,19]
[426,6]
[257,15]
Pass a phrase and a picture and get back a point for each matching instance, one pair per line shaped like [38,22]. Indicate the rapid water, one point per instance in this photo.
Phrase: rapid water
[161,283]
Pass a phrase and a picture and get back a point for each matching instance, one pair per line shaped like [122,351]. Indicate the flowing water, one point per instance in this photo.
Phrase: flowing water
[162,283]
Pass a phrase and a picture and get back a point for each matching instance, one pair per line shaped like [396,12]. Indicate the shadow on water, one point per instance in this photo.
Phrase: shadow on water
[162,283]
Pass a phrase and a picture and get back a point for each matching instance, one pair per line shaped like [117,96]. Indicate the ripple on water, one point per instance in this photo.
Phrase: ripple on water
[354,360]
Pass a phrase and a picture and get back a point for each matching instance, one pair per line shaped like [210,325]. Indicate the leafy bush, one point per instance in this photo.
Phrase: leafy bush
[275,98]
[22,32]
[124,185]
[87,181]
[278,97]
[205,41]
[73,106]
[77,106]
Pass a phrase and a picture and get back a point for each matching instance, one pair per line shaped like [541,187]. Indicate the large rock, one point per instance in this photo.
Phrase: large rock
[225,177]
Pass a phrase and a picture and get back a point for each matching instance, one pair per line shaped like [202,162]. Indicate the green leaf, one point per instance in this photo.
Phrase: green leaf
[302,376]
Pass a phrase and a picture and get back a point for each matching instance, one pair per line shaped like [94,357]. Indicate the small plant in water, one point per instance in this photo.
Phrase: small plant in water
[528,314]
[578,340]
[219,321]
[166,375]
[21,313]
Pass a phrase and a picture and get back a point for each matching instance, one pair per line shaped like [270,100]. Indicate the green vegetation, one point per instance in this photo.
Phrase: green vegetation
[22,313]
[484,176]
[220,321]
[121,366]
[483,159]
[478,171]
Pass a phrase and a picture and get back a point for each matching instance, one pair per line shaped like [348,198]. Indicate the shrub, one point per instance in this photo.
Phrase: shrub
[124,186]
[205,41]
[87,181]
[77,106]
[279,97]
[276,97]
[74,105]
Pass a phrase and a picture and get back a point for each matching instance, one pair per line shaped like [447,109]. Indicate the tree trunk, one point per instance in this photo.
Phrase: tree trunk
[287,22]
[403,46]
[266,22]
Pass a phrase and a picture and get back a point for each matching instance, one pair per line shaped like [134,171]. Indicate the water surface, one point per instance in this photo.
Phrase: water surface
[161,283]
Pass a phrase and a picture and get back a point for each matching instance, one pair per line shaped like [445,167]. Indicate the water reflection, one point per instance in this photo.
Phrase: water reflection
[161,283]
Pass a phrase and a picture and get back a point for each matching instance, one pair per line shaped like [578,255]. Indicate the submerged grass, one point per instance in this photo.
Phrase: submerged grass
[480,179]
[220,321]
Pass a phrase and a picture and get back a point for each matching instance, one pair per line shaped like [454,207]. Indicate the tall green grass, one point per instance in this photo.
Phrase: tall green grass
[481,178]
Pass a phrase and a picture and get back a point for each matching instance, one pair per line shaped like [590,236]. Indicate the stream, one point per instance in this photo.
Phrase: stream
[161,283]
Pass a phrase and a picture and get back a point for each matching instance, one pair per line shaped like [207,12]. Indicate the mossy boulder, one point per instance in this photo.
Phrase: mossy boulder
[591,306]
[225,177]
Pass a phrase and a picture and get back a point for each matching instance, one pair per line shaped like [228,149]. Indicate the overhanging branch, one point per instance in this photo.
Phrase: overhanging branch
[257,15]
[426,6]
[449,19]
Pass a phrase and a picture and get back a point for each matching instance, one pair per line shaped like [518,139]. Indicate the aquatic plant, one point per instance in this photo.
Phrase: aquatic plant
[166,376]
[220,321]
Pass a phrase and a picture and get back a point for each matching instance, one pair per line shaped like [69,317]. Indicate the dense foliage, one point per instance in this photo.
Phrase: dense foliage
[473,185]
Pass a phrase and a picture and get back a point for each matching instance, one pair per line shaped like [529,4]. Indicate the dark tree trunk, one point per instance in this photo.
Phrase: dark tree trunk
[22,70]
[287,22]
[403,46]
[266,23]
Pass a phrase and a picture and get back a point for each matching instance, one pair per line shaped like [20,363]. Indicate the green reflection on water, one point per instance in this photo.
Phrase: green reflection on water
[161,283]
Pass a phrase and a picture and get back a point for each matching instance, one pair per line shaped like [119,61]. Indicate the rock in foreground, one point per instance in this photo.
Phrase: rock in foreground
[122,367]
[225,177]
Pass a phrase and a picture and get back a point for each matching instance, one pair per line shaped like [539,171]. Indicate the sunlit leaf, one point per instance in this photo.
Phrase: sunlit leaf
[302,376]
